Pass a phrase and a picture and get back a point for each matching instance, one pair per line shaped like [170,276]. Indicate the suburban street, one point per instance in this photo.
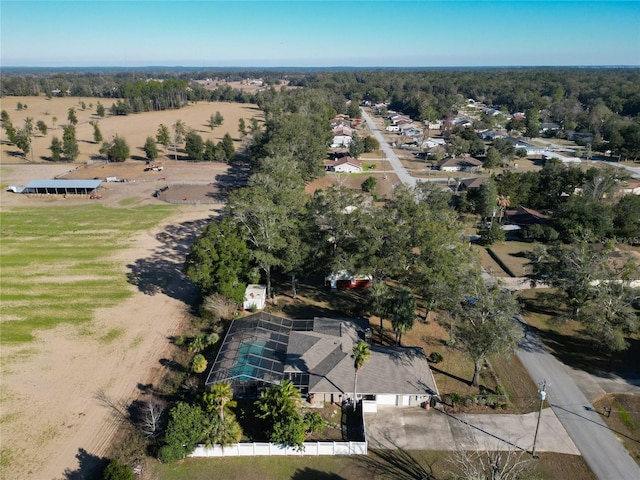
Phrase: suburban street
[597,444]
[401,172]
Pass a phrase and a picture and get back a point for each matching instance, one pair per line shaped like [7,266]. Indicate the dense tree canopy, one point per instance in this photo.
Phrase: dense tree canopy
[594,285]
[485,326]
[218,261]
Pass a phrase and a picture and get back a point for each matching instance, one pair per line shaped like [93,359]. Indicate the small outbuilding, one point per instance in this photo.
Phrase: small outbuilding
[255,296]
[62,187]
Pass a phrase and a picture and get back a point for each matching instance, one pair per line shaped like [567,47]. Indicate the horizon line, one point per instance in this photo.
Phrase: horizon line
[321,67]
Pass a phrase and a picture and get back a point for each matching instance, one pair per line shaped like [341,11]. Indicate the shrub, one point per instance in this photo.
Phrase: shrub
[369,184]
[118,471]
[199,364]
[170,453]
[313,422]
[436,357]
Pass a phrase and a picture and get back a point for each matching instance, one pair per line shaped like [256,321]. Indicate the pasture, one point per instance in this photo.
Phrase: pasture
[56,265]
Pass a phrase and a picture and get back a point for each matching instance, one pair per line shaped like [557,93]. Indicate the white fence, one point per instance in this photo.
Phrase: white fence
[272,449]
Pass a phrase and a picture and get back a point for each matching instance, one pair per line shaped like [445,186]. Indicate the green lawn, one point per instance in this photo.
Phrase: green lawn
[377,465]
[513,253]
[56,263]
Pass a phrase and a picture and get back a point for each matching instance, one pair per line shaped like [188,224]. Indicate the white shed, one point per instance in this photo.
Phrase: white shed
[255,297]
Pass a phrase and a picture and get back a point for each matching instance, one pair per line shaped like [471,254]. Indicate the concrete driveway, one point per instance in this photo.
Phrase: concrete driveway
[413,428]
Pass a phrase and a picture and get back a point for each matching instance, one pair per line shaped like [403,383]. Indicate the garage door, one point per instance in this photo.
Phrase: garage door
[386,399]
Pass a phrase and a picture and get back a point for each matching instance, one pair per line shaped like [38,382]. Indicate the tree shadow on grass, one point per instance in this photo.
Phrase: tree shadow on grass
[312,474]
[450,375]
[395,463]
[89,467]
[161,271]
[582,353]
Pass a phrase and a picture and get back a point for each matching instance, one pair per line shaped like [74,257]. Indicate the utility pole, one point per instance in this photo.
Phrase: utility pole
[543,395]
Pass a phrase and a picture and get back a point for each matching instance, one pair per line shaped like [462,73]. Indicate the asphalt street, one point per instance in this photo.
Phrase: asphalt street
[598,445]
[401,172]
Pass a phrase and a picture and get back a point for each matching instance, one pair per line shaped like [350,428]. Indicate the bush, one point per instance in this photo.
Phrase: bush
[118,471]
[491,234]
[170,453]
[313,422]
[369,184]
[436,357]
[199,364]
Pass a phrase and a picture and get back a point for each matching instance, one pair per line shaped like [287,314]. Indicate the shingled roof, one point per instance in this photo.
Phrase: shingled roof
[317,358]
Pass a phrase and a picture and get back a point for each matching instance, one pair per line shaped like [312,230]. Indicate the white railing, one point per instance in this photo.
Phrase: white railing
[273,449]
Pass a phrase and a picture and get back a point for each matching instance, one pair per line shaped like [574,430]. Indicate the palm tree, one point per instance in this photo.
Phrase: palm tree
[503,203]
[221,398]
[361,353]
[279,401]
[222,431]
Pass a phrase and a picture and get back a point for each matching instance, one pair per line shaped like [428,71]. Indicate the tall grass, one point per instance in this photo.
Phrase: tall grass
[56,263]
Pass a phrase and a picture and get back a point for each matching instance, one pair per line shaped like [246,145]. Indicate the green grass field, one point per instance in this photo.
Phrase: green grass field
[56,263]
[377,465]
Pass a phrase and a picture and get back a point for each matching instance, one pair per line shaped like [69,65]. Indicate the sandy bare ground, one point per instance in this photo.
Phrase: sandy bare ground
[53,419]
[133,128]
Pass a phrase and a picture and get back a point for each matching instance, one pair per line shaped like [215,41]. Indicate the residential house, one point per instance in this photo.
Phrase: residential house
[400,121]
[471,183]
[346,165]
[524,217]
[549,127]
[379,107]
[342,130]
[548,155]
[531,149]
[346,280]
[488,135]
[461,122]
[431,142]
[582,138]
[410,130]
[460,164]
[341,141]
[315,355]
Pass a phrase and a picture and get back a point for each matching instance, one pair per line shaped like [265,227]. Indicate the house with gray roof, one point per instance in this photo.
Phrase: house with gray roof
[315,354]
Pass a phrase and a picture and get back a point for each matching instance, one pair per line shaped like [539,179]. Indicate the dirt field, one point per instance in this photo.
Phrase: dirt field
[54,420]
[133,128]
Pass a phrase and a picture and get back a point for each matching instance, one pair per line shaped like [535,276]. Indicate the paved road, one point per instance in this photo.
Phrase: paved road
[396,164]
[598,445]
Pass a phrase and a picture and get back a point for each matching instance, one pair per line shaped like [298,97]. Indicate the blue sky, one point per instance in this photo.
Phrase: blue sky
[327,33]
